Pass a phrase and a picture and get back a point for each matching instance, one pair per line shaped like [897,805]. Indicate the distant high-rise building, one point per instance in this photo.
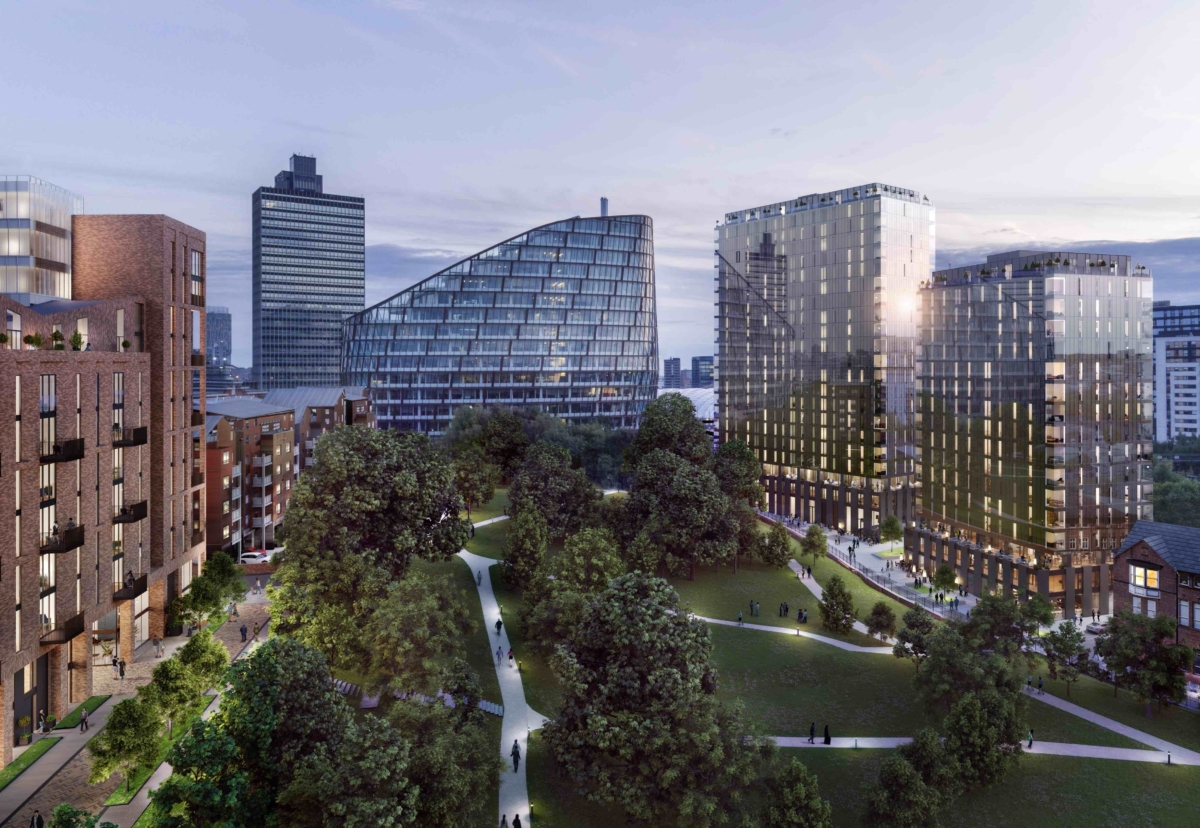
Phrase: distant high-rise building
[1033,422]
[35,238]
[685,378]
[816,333]
[1176,371]
[702,372]
[559,319]
[218,352]
[309,275]
[672,373]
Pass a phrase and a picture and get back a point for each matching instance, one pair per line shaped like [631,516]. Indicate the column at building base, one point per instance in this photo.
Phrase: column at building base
[157,600]
[125,630]
[80,669]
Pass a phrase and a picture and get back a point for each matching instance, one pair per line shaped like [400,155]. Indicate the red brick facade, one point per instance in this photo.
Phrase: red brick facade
[1173,587]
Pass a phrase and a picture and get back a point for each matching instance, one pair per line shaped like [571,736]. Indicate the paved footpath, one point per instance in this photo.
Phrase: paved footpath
[819,593]
[519,720]
[833,642]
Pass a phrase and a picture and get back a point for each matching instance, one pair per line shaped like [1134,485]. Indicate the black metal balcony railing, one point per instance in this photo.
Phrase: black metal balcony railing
[55,543]
[131,513]
[61,451]
[63,632]
[132,588]
[126,437]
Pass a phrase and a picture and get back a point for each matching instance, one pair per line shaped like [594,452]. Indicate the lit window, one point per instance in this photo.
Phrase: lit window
[1144,580]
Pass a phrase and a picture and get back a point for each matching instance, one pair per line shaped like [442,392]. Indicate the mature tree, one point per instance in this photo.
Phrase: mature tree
[938,769]
[682,511]
[794,801]
[596,448]
[585,567]
[739,471]
[1005,625]
[901,799]
[912,640]
[815,545]
[1140,653]
[944,578]
[1176,496]
[129,740]
[956,664]
[67,815]
[173,689]
[882,621]
[1065,652]
[460,682]
[669,424]
[474,477]
[983,734]
[465,429]
[749,539]
[640,724]
[891,530]
[223,571]
[371,503]
[205,788]
[503,439]
[546,483]
[420,619]
[837,606]
[204,599]
[205,657]
[776,548]
[526,547]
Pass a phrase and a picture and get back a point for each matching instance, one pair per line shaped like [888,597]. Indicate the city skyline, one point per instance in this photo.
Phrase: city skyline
[967,131]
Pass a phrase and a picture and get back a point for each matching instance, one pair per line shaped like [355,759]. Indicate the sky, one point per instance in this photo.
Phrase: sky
[463,123]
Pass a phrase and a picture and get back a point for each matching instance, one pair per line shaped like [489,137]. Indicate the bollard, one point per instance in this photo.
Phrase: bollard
[1168,757]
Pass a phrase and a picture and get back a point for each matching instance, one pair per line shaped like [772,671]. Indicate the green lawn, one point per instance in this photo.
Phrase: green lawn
[718,593]
[72,719]
[493,508]
[490,541]
[552,797]
[121,796]
[542,690]
[1044,791]
[15,768]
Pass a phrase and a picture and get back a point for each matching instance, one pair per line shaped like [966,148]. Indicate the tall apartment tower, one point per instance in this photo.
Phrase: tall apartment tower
[702,372]
[1176,371]
[1034,422]
[309,275]
[672,373]
[35,238]
[816,328]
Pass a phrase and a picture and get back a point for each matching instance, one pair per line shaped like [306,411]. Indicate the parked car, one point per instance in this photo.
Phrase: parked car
[253,558]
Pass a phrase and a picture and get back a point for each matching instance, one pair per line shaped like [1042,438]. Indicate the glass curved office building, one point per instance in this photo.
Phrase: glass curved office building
[561,318]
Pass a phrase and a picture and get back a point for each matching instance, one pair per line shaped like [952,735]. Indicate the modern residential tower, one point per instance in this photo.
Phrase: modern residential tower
[1176,371]
[561,318]
[816,327]
[309,275]
[672,375]
[702,372]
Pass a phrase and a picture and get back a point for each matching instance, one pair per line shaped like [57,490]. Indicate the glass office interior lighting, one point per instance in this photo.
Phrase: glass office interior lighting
[815,339]
[35,238]
[561,318]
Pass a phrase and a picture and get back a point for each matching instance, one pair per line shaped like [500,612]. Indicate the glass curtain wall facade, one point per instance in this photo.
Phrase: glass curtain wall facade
[35,238]
[1176,371]
[1034,420]
[702,372]
[561,318]
[816,300]
[309,275]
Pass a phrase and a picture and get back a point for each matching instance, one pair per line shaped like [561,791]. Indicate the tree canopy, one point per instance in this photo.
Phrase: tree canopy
[1143,658]
[128,740]
[739,471]
[669,424]
[837,606]
[815,544]
[545,482]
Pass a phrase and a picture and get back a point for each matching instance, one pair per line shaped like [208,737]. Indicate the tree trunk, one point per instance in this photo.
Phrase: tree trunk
[736,555]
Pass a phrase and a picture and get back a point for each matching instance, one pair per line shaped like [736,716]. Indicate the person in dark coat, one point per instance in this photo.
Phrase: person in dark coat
[828,740]
[243,631]
[122,668]
[499,625]
[36,820]
[516,757]
[812,733]
[517,821]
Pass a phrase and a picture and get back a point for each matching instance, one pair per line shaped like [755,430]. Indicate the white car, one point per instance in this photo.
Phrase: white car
[253,558]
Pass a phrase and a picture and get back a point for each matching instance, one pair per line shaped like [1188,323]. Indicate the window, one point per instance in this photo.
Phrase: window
[1151,606]
[1143,580]
[1184,618]
[1196,615]
[1137,605]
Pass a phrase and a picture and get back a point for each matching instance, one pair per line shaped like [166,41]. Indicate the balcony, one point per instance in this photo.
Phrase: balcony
[64,541]
[127,437]
[132,588]
[262,461]
[1051,503]
[1057,485]
[262,502]
[131,514]
[63,451]
[197,537]
[259,482]
[118,474]
[197,417]
[64,631]
[261,522]
[197,360]
[310,445]
[197,299]
[197,477]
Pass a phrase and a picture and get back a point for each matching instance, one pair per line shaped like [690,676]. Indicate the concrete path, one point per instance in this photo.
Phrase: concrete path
[1046,748]
[490,521]
[818,592]
[519,720]
[51,762]
[843,741]
[833,642]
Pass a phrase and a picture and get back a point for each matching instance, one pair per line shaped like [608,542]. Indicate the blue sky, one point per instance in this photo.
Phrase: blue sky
[465,122]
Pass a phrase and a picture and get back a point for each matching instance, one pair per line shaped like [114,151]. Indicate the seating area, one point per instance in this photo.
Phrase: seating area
[372,702]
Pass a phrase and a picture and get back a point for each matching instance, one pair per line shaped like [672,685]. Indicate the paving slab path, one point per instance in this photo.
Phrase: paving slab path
[819,593]
[833,642]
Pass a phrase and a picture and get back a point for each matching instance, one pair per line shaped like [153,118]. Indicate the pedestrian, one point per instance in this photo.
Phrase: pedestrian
[479,578]
[499,656]
[751,608]
[256,631]
[1040,693]
[1030,739]
[510,657]
[812,733]
[779,612]
[499,624]
[1029,682]
[472,530]
[36,820]
[156,644]
[122,668]
[516,757]
[243,631]
[504,821]
[810,572]
[758,610]
[83,720]
[517,821]
[739,618]
[258,586]
[115,666]
[828,740]
[41,721]
[787,610]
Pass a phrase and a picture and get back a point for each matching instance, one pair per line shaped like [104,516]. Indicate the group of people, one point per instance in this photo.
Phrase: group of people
[257,629]
[118,665]
[785,611]
[812,734]
[500,656]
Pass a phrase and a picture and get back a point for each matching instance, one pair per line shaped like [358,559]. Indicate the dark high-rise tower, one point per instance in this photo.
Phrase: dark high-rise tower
[308,276]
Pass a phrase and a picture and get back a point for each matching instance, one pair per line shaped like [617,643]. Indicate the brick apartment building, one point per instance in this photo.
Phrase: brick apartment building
[317,410]
[101,491]
[250,463]
[1156,571]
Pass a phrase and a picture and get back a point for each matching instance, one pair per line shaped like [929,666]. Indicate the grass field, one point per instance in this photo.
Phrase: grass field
[493,508]
[490,541]
[72,719]
[34,752]
[552,798]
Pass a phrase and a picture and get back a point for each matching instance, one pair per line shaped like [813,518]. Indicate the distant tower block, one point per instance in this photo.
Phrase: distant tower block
[603,207]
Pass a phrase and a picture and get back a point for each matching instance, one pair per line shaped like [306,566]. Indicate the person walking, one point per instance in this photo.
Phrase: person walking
[517,821]
[499,624]
[116,666]
[812,733]
[36,820]
[499,656]
[83,720]
[1040,685]
[510,657]
[751,608]
[1030,747]
[256,631]
[258,586]
[504,821]
[758,610]
[479,578]
[740,618]
[243,632]
[121,665]
[828,739]
[516,756]
[41,721]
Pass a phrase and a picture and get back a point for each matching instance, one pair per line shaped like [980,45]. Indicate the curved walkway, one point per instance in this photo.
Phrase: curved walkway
[819,593]
[1045,748]
[833,642]
[519,720]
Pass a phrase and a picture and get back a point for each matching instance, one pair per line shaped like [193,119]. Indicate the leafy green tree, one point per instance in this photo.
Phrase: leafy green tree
[776,549]
[221,570]
[205,657]
[682,512]
[461,683]
[526,548]
[129,740]
[937,768]
[837,606]
[1176,496]
[474,477]
[956,664]
[794,801]
[669,424]
[585,567]
[173,689]
[502,437]
[1066,653]
[1140,653]
[204,599]
[206,788]
[739,471]
[891,530]
[372,502]
[901,799]
[545,482]
[983,734]
[68,816]
[912,642]
[640,724]
[944,578]
[882,621]
[815,545]
[1006,625]
[595,447]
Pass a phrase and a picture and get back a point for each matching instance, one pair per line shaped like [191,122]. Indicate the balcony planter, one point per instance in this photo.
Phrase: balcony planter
[3,339]
[76,341]
[124,344]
